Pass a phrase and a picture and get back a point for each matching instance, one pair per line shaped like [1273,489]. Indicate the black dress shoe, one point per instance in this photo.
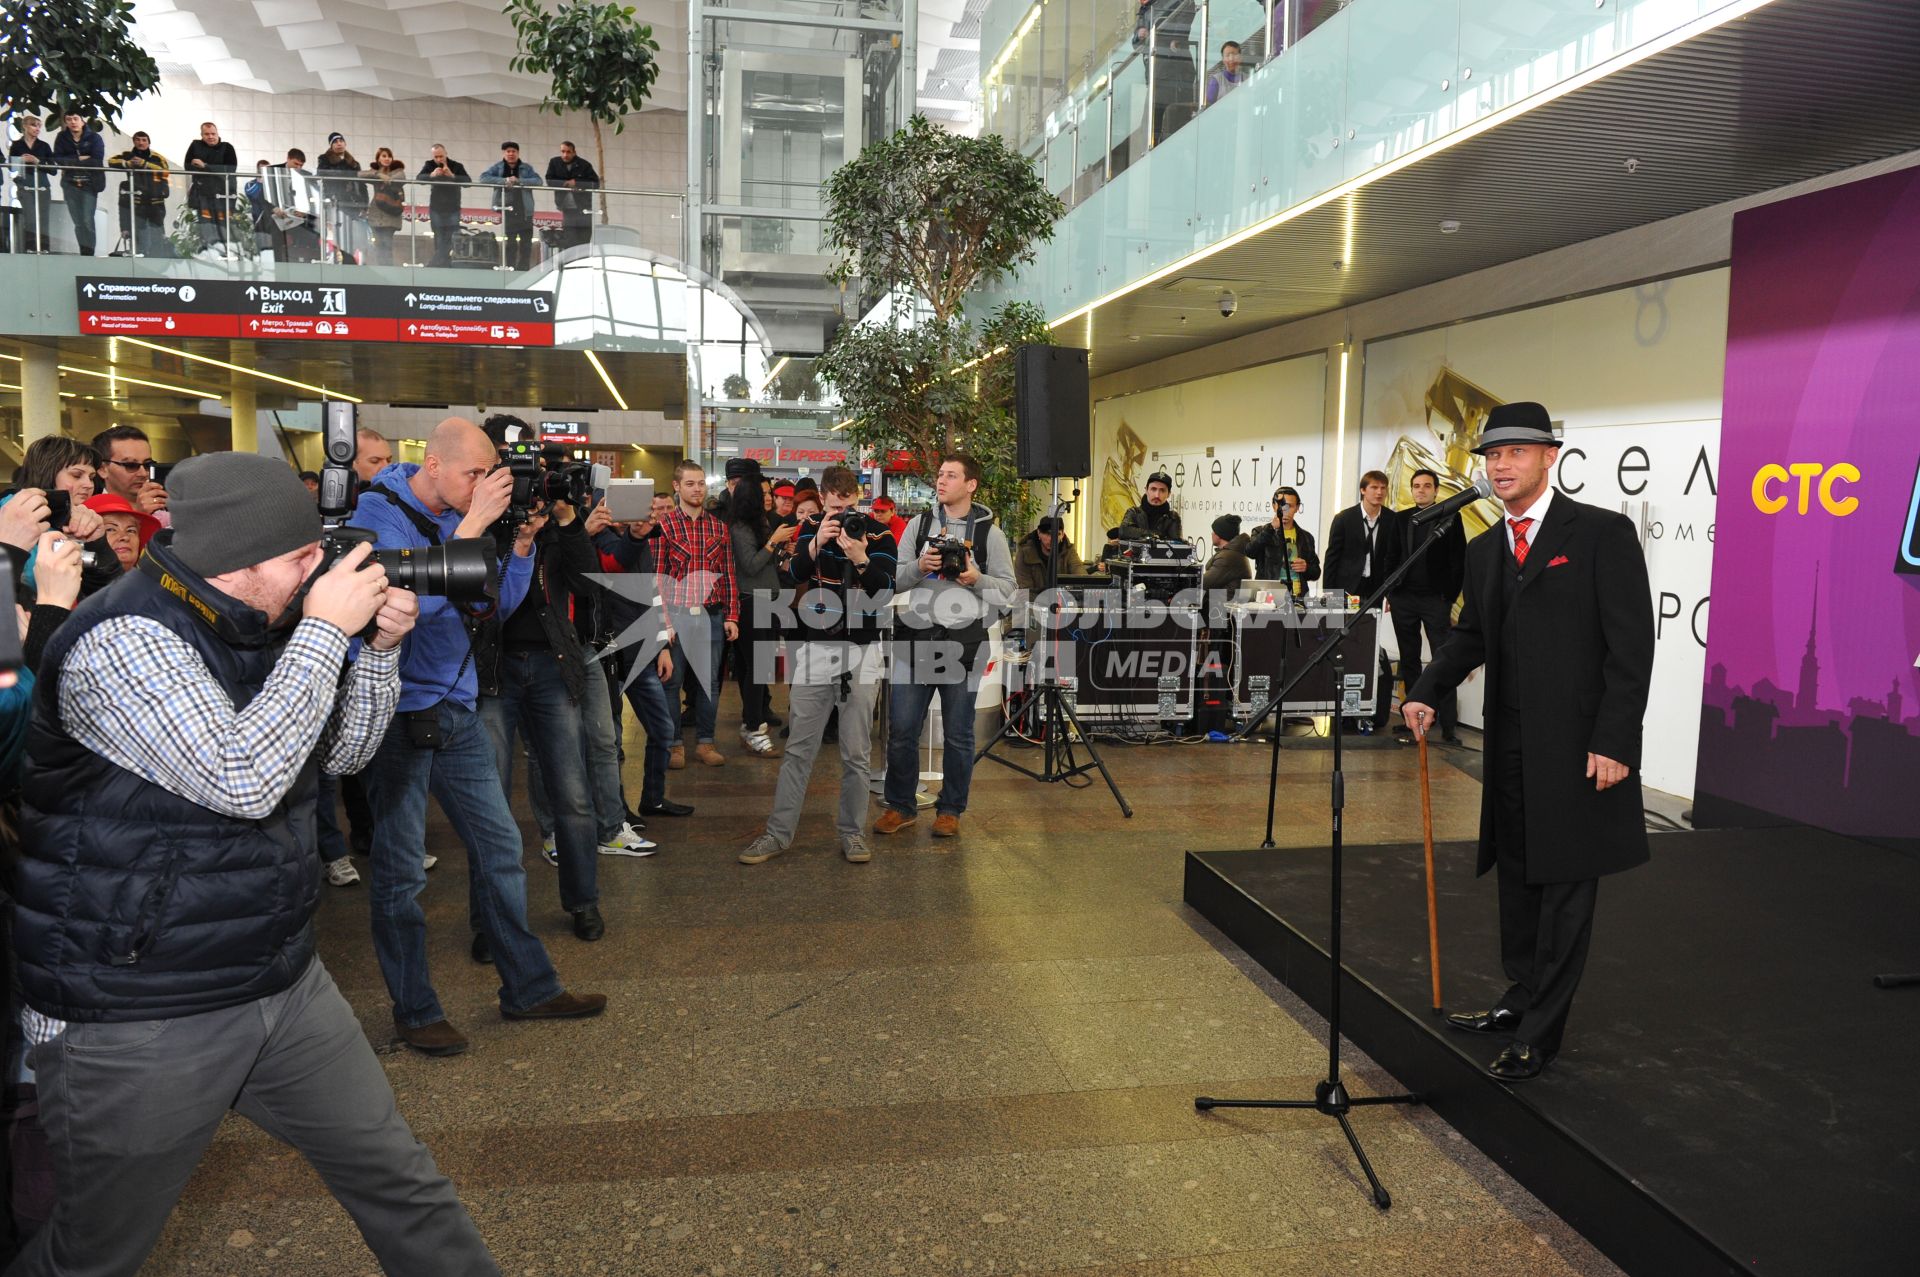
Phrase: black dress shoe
[1498,1020]
[482,951]
[1519,1063]
[666,807]
[587,923]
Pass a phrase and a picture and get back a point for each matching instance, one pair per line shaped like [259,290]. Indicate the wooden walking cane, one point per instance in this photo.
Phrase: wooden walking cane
[1433,912]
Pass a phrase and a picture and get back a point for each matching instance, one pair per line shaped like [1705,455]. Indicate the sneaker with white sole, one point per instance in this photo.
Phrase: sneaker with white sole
[628,842]
[549,850]
[428,861]
[341,873]
[761,850]
[855,849]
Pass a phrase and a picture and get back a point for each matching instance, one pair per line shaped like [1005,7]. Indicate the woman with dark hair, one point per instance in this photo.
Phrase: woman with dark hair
[387,207]
[57,471]
[60,464]
[756,546]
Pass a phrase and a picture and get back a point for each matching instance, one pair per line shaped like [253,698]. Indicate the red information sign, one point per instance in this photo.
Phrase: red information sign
[315,327]
[156,323]
[475,332]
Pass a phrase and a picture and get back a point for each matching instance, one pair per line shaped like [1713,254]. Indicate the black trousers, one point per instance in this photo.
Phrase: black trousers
[1412,614]
[1545,928]
[518,228]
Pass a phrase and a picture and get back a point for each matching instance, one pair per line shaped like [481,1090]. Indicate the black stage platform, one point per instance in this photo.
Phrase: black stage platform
[1735,1095]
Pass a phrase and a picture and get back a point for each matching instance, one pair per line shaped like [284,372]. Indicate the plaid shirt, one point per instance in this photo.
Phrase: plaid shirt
[696,564]
[136,694]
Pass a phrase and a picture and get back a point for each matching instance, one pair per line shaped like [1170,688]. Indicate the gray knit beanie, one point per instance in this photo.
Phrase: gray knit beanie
[232,510]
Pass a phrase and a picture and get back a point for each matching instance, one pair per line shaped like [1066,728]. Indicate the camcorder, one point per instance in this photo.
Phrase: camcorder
[953,555]
[542,474]
[463,571]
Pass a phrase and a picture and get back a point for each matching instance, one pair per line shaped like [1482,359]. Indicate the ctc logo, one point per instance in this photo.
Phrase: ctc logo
[1767,501]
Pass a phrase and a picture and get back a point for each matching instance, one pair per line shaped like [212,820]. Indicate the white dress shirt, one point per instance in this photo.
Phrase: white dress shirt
[1537,512]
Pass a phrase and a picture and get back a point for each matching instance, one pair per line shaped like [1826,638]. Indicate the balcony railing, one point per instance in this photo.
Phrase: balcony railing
[257,221]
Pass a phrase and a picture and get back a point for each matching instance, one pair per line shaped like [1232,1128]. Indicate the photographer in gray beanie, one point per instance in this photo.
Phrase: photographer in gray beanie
[163,913]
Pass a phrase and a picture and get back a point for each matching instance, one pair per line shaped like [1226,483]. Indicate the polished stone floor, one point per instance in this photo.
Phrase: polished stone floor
[969,1056]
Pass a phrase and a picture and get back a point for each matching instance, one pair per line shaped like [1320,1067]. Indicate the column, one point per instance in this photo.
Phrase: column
[39,392]
[243,398]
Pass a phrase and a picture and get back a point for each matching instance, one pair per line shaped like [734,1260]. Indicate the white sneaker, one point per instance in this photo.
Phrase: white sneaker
[341,873]
[628,842]
[429,861]
[549,850]
[757,741]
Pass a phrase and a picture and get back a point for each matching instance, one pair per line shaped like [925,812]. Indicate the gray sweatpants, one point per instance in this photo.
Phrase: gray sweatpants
[816,688]
[130,1106]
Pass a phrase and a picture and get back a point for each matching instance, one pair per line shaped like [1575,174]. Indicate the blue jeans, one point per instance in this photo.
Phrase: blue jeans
[600,751]
[533,695]
[80,207]
[908,703]
[648,696]
[706,682]
[464,776]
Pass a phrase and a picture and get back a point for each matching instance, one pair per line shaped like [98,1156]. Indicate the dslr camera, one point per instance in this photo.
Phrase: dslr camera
[462,571]
[856,524]
[953,555]
[542,474]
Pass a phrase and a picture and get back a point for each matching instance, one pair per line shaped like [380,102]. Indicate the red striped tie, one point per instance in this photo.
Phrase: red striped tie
[1520,527]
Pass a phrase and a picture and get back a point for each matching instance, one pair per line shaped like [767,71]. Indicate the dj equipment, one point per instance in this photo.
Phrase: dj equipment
[1052,412]
[1263,635]
[1161,581]
[1124,662]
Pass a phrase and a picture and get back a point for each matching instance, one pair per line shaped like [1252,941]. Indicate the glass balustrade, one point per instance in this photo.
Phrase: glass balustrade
[1250,107]
[256,222]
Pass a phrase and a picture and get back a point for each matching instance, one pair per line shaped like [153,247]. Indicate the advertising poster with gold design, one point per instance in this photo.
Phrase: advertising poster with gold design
[1632,378]
[1227,442]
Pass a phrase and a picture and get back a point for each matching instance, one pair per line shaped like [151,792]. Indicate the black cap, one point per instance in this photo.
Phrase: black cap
[1517,423]
[1227,527]
[1160,476]
[741,467]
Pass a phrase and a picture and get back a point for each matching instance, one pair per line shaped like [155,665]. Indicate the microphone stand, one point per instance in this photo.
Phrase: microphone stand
[1330,1095]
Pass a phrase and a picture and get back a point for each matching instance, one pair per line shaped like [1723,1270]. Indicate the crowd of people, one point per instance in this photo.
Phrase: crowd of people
[339,209]
[207,678]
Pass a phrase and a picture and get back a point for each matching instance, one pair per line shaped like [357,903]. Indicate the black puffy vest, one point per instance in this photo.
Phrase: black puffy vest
[131,902]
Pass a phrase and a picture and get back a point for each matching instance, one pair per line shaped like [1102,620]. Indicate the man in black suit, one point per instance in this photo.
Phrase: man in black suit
[1559,611]
[1363,545]
[1424,598]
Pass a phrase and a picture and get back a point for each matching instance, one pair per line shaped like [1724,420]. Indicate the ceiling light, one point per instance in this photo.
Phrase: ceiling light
[1449,227]
[611,388]
[322,391]
[140,381]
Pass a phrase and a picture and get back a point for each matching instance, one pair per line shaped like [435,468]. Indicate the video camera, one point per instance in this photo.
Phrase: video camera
[462,571]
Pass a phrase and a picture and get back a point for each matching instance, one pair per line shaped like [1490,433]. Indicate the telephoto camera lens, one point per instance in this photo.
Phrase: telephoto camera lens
[462,571]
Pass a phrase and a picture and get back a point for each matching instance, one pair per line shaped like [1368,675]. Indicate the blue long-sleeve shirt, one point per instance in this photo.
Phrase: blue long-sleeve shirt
[434,664]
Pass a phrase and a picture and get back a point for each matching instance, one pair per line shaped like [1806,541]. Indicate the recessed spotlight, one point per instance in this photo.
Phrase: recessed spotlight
[1632,165]
[1450,227]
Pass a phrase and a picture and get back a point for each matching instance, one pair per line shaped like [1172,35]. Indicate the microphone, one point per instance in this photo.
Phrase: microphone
[1453,504]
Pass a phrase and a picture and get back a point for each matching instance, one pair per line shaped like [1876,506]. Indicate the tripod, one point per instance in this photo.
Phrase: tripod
[1049,703]
[1330,1095]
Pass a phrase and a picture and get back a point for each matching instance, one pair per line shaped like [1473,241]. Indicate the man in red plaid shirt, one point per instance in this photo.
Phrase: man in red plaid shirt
[702,600]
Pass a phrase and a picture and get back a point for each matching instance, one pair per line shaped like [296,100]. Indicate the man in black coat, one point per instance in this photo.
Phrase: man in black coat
[574,181]
[1363,547]
[1559,611]
[1424,598]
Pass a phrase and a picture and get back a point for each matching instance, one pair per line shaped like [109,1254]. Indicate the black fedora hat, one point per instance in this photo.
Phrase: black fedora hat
[1517,423]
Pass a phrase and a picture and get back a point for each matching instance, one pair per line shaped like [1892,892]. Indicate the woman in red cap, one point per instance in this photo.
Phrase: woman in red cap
[128,530]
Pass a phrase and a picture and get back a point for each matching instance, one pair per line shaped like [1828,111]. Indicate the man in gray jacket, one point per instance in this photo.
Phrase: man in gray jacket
[957,572]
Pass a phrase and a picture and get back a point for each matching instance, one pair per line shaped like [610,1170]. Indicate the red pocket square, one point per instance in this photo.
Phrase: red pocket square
[1557,562]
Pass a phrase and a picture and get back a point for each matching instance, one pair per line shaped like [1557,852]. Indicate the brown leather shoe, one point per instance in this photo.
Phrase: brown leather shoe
[438,1038]
[677,758]
[564,1006]
[710,756]
[946,825]
[892,822]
